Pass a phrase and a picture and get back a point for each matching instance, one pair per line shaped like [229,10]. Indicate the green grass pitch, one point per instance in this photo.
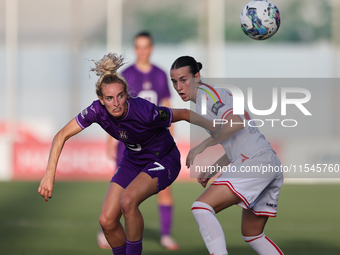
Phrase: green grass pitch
[307,222]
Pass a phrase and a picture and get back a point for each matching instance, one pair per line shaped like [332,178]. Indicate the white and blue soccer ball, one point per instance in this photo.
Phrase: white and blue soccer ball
[260,19]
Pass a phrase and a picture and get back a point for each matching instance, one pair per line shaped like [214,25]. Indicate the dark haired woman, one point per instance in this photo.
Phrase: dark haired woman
[244,147]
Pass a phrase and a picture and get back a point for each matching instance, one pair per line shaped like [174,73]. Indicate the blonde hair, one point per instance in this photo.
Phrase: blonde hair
[107,68]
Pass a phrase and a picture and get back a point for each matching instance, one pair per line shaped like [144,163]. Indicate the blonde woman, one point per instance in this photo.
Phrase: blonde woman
[147,81]
[151,159]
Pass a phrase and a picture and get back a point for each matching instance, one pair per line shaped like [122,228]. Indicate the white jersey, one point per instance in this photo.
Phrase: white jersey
[247,142]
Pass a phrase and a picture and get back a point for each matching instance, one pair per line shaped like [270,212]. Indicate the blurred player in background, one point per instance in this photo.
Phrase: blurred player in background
[257,193]
[151,161]
[149,82]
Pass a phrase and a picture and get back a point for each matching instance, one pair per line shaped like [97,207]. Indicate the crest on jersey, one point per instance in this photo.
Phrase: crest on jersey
[122,134]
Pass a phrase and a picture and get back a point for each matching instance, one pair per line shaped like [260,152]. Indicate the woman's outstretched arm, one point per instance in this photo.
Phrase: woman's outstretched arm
[192,117]
[224,133]
[46,185]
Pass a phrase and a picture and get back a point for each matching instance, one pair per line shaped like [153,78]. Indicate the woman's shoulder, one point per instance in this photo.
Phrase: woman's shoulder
[218,92]
[96,106]
[157,69]
[97,110]
[92,113]
[129,69]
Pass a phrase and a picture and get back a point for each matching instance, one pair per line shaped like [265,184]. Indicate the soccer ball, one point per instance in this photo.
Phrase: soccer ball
[260,19]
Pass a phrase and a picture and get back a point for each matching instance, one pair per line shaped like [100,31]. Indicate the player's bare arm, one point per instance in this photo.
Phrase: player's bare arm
[226,131]
[46,185]
[192,117]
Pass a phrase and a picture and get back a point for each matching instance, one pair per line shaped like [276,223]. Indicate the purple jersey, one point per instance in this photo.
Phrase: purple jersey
[152,86]
[143,130]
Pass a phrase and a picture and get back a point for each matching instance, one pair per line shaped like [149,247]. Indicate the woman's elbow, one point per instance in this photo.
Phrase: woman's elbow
[61,136]
[186,114]
[180,114]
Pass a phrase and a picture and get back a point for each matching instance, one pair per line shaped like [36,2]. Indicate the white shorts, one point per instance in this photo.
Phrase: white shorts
[259,191]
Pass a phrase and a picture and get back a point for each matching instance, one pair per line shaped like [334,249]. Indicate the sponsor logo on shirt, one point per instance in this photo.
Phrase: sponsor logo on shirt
[244,158]
[133,147]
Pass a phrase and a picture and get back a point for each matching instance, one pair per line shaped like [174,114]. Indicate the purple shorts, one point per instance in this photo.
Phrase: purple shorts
[166,169]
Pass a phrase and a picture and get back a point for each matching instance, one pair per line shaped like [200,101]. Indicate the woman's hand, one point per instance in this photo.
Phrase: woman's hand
[192,154]
[203,178]
[46,186]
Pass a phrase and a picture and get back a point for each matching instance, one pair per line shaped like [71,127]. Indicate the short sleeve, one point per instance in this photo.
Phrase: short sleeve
[87,116]
[161,117]
[227,100]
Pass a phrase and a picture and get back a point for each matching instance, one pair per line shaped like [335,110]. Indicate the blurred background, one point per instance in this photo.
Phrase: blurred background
[45,48]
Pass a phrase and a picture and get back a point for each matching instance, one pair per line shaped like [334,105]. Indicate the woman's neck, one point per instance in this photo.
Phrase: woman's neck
[144,67]
[194,94]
